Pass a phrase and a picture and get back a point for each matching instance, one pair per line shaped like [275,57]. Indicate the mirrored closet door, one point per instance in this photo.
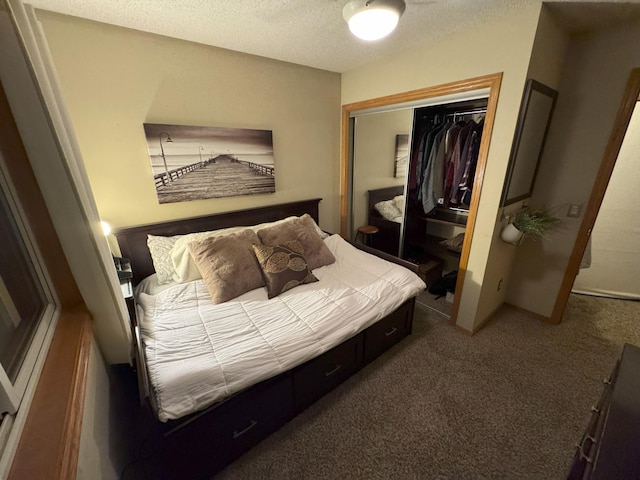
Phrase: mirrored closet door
[409,175]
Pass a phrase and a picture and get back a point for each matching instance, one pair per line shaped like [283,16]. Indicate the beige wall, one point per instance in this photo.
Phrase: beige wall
[596,72]
[374,151]
[502,45]
[114,80]
[546,66]
[95,459]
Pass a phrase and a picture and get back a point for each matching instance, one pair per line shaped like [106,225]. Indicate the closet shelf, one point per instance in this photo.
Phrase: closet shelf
[430,245]
[433,246]
[446,216]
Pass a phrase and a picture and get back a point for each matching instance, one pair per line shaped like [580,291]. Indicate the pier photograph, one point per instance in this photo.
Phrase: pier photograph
[195,162]
[401,156]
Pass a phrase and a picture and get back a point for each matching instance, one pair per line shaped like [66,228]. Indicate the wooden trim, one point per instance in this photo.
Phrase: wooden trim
[50,440]
[487,132]
[631,94]
[492,82]
[344,172]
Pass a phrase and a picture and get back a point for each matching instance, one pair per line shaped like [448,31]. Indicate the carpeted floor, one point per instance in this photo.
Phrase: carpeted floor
[508,403]
[438,304]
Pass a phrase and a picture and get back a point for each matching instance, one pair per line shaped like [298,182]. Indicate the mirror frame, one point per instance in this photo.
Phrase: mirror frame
[525,125]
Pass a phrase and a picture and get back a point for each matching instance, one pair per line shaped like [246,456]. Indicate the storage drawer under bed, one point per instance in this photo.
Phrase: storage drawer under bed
[228,431]
[390,330]
[320,375]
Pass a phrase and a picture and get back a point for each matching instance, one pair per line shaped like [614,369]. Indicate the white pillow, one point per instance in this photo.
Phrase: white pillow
[399,202]
[389,211]
[160,249]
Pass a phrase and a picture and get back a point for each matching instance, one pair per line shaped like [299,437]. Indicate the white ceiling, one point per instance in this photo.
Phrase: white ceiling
[306,32]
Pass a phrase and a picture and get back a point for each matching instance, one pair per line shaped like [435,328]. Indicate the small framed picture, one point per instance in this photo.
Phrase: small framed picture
[401,155]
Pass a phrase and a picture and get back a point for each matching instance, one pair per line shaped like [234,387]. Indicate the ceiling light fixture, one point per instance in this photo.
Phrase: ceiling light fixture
[373,19]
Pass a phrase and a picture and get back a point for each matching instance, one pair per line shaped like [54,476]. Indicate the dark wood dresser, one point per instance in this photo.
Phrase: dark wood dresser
[610,446]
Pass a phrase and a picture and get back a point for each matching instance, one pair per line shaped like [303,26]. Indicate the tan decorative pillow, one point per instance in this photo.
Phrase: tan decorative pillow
[184,268]
[283,267]
[227,264]
[303,229]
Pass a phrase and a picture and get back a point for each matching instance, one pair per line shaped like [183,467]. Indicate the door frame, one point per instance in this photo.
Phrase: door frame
[491,82]
[623,117]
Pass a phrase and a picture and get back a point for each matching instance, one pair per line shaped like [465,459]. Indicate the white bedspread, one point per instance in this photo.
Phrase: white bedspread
[199,353]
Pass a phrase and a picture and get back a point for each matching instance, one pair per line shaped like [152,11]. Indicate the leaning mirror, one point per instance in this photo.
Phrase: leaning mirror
[536,109]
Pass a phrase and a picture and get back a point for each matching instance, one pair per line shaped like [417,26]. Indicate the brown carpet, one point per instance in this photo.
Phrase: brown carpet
[509,402]
[433,302]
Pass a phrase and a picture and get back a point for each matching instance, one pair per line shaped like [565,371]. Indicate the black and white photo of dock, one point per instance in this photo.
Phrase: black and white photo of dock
[194,163]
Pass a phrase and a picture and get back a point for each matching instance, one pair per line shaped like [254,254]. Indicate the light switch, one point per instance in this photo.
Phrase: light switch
[574,210]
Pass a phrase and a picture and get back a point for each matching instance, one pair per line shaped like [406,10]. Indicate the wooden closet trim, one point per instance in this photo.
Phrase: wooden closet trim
[628,104]
[492,82]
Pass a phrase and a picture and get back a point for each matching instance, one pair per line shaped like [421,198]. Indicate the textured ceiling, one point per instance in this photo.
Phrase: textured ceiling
[306,32]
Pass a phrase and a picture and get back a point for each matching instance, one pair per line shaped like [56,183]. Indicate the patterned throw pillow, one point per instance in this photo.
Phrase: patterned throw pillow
[303,229]
[283,267]
[160,249]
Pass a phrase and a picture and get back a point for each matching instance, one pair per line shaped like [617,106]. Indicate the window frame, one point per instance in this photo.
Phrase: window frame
[16,397]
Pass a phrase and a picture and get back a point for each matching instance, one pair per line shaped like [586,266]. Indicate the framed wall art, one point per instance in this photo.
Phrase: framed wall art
[194,163]
[401,156]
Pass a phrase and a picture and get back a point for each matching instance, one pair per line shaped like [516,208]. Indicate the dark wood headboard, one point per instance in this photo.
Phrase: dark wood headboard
[382,194]
[133,240]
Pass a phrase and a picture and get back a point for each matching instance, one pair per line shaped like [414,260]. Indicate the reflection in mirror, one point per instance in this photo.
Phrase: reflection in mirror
[379,176]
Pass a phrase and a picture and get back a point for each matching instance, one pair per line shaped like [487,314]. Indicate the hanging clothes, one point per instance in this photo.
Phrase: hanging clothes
[445,157]
[459,162]
[431,187]
[471,162]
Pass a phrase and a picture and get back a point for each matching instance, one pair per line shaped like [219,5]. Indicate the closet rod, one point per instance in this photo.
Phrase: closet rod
[479,110]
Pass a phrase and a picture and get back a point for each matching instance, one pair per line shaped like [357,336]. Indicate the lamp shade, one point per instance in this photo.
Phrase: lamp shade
[373,19]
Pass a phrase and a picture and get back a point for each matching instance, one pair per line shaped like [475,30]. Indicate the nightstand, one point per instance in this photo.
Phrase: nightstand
[127,292]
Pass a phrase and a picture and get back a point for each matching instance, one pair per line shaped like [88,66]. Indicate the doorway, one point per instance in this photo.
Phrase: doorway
[611,263]
[623,118]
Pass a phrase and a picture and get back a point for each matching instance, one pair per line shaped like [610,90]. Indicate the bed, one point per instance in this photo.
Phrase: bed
[388,220]
[212,408]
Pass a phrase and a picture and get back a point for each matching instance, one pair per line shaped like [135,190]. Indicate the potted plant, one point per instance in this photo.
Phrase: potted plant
[529,222]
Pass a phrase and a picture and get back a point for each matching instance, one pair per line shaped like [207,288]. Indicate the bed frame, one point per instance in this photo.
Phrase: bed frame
[388,237]
[202,444]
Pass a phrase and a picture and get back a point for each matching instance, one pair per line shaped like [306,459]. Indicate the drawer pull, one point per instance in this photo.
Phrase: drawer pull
[332,371]
[390,332]
[237,434]
[582,454]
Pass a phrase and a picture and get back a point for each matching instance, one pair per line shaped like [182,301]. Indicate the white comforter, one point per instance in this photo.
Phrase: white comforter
[199,353]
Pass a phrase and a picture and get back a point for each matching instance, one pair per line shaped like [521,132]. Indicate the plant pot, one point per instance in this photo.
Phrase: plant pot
[511,234]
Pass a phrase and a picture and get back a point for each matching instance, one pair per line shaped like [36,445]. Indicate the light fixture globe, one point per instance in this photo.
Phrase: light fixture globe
[373,19]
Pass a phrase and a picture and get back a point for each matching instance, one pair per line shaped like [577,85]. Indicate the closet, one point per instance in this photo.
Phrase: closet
[442,165]
[371,129]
